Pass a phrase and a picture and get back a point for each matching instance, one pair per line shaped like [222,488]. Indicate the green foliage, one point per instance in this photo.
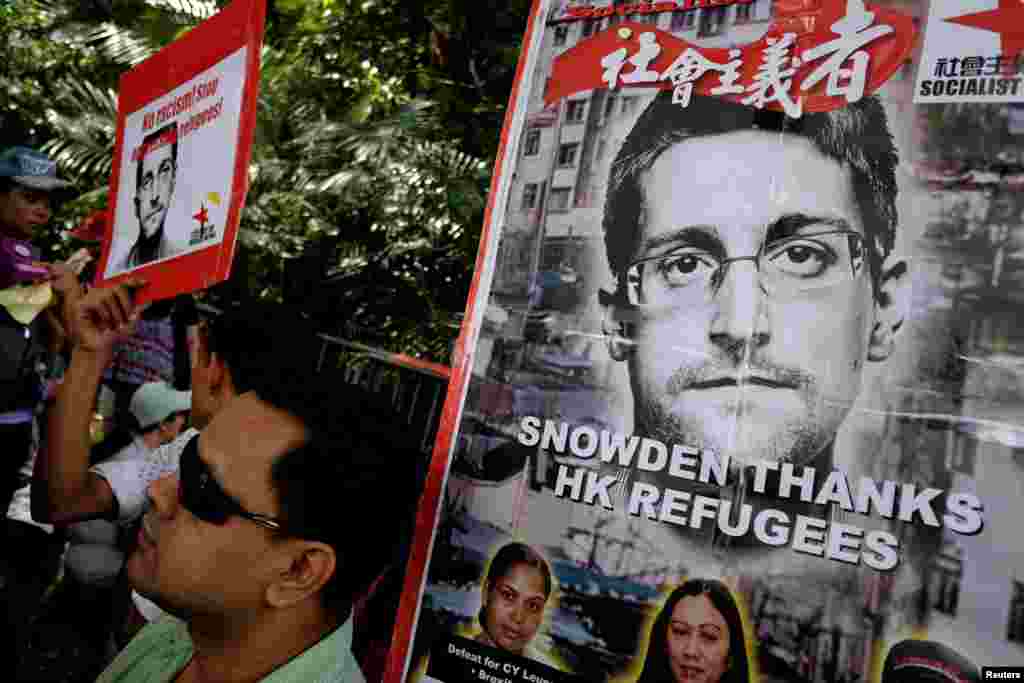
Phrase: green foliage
[378,124]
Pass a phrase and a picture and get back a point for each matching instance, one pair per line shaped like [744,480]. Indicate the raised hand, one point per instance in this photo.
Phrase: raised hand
[102,316]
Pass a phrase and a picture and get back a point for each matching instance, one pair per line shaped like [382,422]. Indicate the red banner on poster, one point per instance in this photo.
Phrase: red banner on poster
[185,126]
[810,60]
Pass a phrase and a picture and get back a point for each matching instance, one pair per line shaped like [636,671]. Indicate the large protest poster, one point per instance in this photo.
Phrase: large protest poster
[739,394]
[185,124]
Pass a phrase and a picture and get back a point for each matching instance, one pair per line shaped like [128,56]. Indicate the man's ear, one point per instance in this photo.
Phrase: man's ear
[890,308]
[309,565]
[615,329]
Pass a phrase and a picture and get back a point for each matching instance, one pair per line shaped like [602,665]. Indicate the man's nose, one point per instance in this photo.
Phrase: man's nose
[739,316]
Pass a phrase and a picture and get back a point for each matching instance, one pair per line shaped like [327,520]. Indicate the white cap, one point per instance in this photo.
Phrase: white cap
[154,402]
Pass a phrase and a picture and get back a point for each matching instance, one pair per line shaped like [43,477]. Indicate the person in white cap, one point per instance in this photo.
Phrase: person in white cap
[94,557]
[159,412]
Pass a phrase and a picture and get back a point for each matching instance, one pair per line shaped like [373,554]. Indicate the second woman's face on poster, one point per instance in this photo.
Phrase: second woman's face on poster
[514,607]
[697,641]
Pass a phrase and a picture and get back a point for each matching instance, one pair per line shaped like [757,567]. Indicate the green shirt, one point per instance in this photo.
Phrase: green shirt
[161,650]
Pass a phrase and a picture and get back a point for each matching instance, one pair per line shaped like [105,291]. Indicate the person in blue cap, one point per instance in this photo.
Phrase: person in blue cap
[28,180]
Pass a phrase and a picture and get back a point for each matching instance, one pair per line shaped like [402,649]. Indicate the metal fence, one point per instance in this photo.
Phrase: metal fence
[415,388]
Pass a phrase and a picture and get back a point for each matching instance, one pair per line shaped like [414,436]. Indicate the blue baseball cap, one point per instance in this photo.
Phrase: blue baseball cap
[30,168]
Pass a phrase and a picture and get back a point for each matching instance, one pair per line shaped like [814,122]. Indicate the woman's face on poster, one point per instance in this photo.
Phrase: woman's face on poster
[514,607]
[697,641]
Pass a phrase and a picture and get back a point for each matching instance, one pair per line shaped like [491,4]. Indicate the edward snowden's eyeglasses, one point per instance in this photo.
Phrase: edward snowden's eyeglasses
[200,494]
[691,275]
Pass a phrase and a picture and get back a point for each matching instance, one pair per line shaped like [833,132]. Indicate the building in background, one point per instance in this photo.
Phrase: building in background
[555,200]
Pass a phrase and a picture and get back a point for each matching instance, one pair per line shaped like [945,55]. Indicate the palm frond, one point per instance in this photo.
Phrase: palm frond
[196,10]
[121,44]
[84,120]
[346,181]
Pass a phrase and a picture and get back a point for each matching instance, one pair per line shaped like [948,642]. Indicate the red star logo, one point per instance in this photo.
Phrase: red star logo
[1007,21]
[203,216]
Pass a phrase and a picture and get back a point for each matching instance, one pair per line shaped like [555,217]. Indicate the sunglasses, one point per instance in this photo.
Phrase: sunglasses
[200,494]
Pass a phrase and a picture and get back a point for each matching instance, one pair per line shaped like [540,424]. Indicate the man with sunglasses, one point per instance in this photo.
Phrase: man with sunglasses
[247,525]
[252,545]
[233,353]
[65,488]
[754,275]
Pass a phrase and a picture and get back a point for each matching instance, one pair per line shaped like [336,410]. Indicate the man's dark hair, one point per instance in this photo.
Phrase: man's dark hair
[656,664]
[269,349]
[857,136]
[355,482]
[146,141]
[354,485]
[7,184]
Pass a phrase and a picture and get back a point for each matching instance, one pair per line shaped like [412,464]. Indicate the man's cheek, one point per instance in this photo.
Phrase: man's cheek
[655,361]
[835,352]
[675,336]
[833,325]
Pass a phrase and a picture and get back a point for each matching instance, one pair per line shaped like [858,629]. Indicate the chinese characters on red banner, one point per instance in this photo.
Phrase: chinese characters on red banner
[790,69]
[845,65]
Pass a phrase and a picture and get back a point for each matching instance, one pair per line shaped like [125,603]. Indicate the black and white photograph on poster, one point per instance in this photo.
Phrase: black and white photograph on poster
[971,252]
[178,168]
[973,51]
[763,345]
